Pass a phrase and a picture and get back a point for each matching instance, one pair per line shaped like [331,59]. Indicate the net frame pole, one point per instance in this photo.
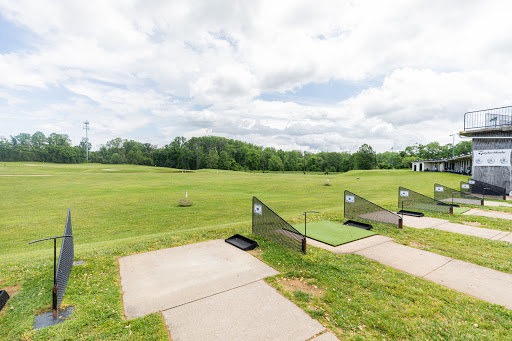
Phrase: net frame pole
[483,193]
[304,241]
[55,289]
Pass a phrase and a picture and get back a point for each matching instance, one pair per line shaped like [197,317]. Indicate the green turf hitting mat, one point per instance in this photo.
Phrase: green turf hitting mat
[332,233]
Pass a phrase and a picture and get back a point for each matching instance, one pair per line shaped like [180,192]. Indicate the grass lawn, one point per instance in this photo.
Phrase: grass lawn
[119,210]
[333,233]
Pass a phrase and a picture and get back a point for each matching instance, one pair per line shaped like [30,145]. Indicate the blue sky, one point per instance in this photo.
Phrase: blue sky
[291,75]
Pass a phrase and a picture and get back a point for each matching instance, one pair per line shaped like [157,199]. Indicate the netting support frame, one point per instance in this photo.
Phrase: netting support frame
[55,288]
[299,238]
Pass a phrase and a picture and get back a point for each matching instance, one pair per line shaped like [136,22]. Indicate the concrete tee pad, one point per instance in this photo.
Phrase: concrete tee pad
[423,222]
[253,312]
[490,214]
[484,283]
[497,203]
[407,259]
[506,238]
[469,230]
[163,279]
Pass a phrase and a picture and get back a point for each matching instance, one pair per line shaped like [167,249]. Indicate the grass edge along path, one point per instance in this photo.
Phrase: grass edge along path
[94,289]
[362,299]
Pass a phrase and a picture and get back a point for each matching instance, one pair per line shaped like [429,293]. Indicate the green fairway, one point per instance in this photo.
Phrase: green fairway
[333,233]
[119,210]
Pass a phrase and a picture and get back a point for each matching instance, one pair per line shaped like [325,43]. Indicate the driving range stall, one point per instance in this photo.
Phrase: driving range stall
[269,225]
[482,189]
[409,202]
[360,211]
[491,134]
[450,195]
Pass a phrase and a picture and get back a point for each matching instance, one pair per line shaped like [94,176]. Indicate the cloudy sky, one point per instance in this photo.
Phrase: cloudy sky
[308,75]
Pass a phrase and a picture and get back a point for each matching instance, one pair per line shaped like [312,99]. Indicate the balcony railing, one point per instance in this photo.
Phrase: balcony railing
[488,118]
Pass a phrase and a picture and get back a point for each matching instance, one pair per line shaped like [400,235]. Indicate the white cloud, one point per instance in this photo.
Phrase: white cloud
[199,67]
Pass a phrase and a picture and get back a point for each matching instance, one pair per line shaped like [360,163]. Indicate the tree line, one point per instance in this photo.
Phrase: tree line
[215,153]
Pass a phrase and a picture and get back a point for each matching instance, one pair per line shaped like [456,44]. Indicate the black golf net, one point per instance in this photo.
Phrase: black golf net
[450,195]
[269,225]
[413,201]
[491,191]
[358,208]
[67,255]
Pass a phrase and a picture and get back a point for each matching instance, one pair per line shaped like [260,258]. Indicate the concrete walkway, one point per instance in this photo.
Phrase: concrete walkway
[445,225]
[496,203]
[212,291]
[478,281]
[490,214]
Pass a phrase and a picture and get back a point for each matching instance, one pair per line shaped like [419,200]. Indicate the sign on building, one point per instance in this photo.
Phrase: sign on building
[495,157]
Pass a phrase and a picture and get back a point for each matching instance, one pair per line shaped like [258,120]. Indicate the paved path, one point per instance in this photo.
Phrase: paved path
[213,291]
[445,225]
[496,203]
[490,214]
[478,281]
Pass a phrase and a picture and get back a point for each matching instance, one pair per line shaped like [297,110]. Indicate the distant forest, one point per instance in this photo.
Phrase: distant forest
[215,153]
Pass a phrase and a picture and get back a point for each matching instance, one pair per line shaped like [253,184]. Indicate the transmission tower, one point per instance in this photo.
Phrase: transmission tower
[86,141]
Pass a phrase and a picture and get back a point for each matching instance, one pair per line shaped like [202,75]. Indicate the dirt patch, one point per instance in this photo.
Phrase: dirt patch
[299,284]
[30,165]
[110,170]
[472,223]
[256,252]
[12,290]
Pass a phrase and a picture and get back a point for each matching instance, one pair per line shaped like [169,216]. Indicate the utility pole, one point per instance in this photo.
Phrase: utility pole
[86,141]
[304,162]
[327,160]
[392,166]
[453,145]
[197,156]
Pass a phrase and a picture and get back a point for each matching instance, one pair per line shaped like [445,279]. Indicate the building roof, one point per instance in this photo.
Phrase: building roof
[456,158]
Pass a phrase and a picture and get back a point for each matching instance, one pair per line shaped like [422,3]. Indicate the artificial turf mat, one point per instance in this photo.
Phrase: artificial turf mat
[333,233]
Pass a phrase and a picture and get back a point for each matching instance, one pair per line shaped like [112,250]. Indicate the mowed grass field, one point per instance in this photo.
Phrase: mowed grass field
[119,210]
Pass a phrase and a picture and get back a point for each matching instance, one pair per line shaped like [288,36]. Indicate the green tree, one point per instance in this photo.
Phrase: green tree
[116,158]
[463,147]
[224,161]
[275,163]
[365,157]
[213,158]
